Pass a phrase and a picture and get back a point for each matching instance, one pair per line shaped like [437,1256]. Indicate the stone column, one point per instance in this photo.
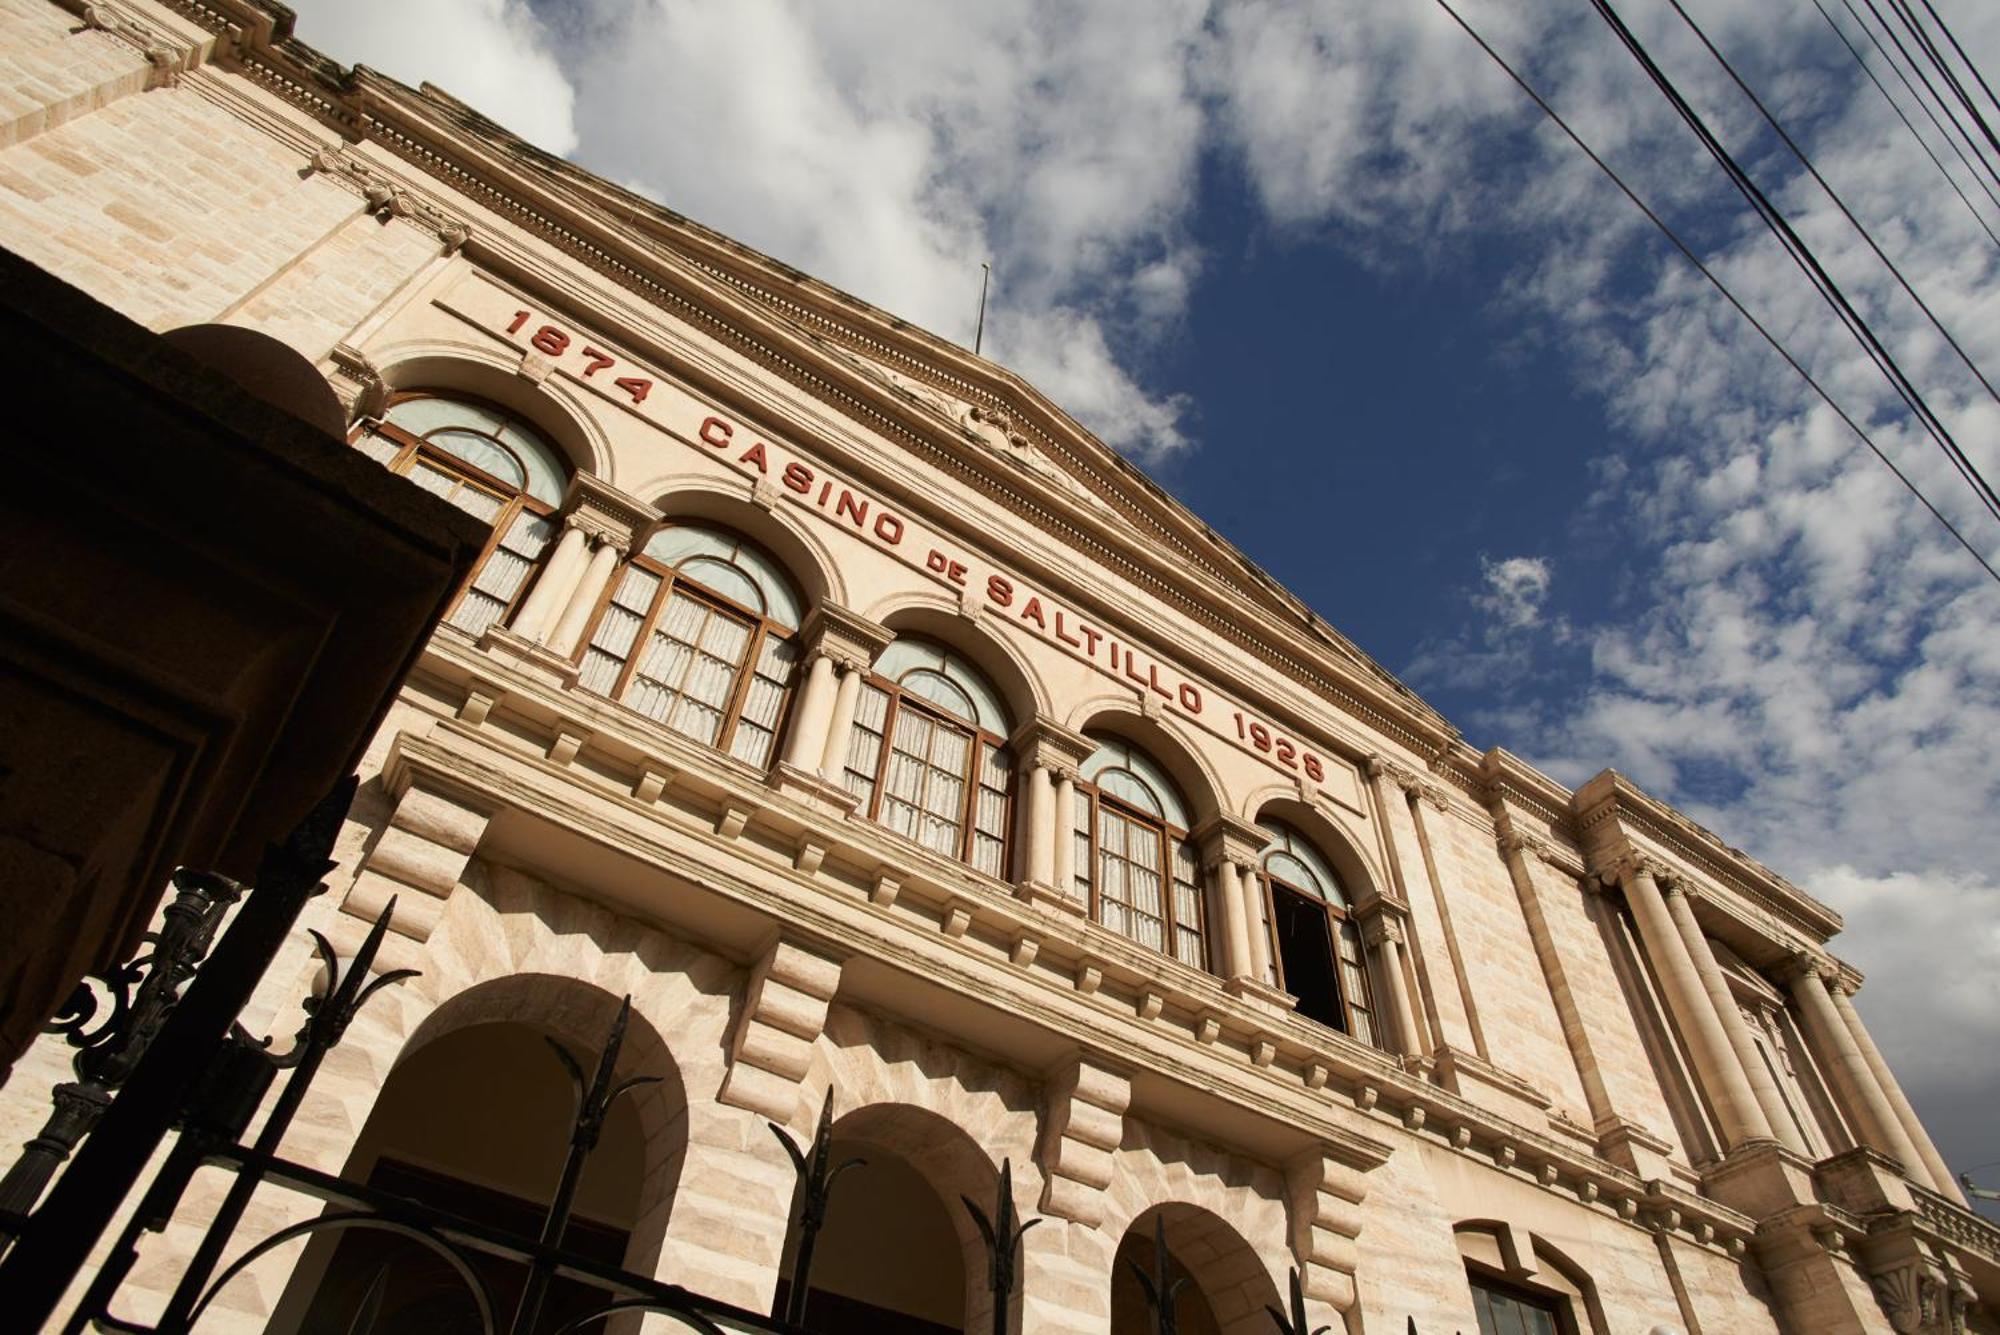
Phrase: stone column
[806,741]
[1777,1117]
[1716,1069]
[604,556]
[1046,760]
[1064,872]
[1875,1122]
[552,591]
[1384,935]
[846,699]
[1233,909]
[1253,923]
[1845,985]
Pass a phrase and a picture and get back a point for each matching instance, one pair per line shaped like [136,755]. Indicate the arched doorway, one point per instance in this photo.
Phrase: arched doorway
[898,1255]
[476,1121]
[1226,1289]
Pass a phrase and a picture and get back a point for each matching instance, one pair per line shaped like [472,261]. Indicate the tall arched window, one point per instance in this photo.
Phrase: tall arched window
[1315,944]
[1134,864]
[488,464]
[928,757]
[700,633]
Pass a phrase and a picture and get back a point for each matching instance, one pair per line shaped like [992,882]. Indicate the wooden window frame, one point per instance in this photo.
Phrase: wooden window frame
[1335,915]
[1169,837]
[761,626]
[899,699]
[513,499]
[1556,1305]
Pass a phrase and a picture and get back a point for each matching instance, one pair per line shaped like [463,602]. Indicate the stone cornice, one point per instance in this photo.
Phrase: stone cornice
[1226,838]
[1611,797]
[606,513]
[1392,771]
[1045,742]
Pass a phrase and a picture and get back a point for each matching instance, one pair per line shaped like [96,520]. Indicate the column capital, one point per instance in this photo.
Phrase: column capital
[605,514]
[1226,838]
[1426,789]
[848,638]
[1623,866]
[1381,927]
[1846,978]
[1804,964]
[1043,743]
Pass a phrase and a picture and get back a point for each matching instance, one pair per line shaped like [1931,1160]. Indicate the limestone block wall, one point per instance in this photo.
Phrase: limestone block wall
[53,69]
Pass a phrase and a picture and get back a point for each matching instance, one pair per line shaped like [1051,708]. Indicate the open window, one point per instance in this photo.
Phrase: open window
[1134,864]
[928,755]
[1315,942]
[489,464]
[699,632]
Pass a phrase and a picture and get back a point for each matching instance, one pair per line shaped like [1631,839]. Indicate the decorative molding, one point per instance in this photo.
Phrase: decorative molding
[1084,1123]
[784,1012]
[385,197]
[1420,786]
[168,59]
[357,383]
[851,640]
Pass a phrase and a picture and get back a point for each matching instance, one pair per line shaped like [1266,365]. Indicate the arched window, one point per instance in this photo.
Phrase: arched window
[928,757]
[489,465]
[700,633]
[1315,945]
[1134,864]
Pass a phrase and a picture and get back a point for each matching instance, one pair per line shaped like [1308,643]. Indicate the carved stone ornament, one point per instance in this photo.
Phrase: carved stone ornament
[386,198]
[1424,788]
[358,382]
[168,61]
[1919,1302]
[1379,928]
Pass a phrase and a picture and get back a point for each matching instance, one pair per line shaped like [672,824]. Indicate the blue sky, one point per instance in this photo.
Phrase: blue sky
[1321,270]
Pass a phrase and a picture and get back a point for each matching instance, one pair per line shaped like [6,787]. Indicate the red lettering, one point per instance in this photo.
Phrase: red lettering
[1153,682]
[598,361]
[551,340]
[849,507]
[1313,769]
[1237,714]
[825,488]
[1260,737]
[1032,611]
[755,455]
[936,561]
[1090,638]
[1287,753]
[637,386]
[1131,671]
[520,318]
[1066,639]
[999,592]
[798,477]
[957,572]
[716,433]
[1190,697]
[888,528]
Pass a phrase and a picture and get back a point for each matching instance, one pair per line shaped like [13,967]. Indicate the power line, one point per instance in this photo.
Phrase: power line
[1922,143]
[1918,97]
[1951,37]
[1808,263]
[1924,41]
[1688,253]
[1833,195]
[1924,79]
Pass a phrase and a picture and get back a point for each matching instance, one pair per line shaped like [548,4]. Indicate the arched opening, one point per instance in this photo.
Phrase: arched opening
[475,1120]
[1523,1285]
[927,756]
[700,632]
[493,465]
[1226,1289]
[1136,866]
[898,1255]
[1315,942]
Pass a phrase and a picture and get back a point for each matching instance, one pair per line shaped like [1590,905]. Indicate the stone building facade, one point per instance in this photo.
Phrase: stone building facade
[889,740]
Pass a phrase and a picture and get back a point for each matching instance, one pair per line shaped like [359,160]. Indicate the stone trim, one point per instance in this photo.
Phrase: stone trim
[1084,1122]
[1324,1196]
[417,861]
[784,1013]
[851,640]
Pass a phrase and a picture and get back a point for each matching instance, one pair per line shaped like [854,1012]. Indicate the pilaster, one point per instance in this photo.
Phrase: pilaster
[417,860]
[1325,1195]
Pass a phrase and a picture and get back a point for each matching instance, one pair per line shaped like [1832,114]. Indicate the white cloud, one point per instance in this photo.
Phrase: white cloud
[491,54]
[1515,589]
